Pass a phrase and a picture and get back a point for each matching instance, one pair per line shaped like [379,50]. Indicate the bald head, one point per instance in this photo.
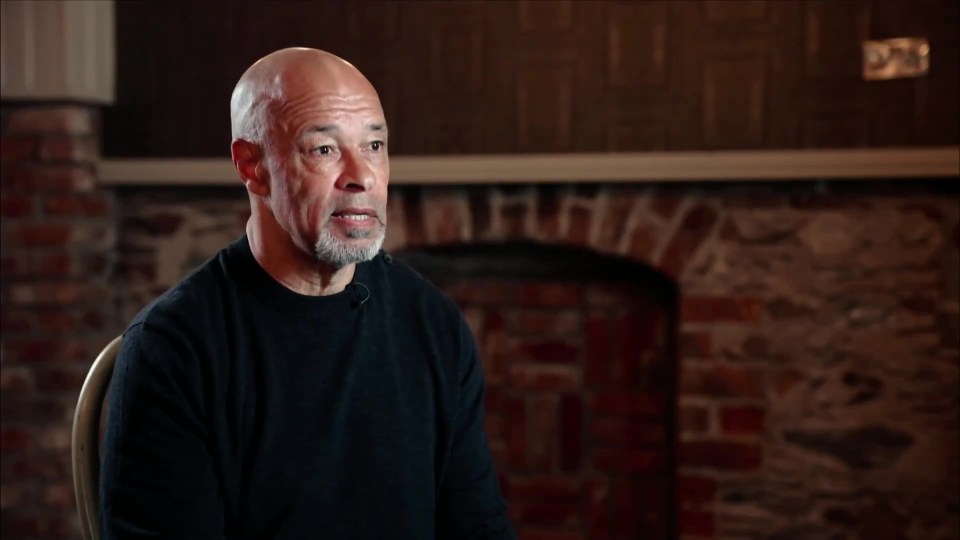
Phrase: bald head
[287,74]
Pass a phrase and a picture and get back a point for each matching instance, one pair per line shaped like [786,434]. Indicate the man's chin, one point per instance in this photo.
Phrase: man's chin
[342,252]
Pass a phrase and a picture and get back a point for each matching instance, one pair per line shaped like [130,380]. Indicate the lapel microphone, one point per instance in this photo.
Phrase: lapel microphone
[359,297]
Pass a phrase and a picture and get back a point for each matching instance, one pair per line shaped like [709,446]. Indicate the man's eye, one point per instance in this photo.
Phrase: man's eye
[376,146]
[323,150]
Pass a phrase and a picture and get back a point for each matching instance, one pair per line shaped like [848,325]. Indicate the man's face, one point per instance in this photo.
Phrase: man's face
[329,169]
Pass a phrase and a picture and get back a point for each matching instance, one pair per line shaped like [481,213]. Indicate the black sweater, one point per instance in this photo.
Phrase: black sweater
[240,409]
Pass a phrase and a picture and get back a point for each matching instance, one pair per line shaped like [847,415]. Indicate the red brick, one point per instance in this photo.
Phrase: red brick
[46,178]
[549,351]
[15,439]
[17,148]
[90,205]
[55,438]
[553,514]
[16,379]
[721,381]
[58,119]
[694,420]
[626,507]
[15,206]
[76,149]
[624,403]
[696,523]
[446,220]
[493,320]
[13,324]
[91,264]
[554,322]
[543,488]
[549,294]
[571,432]
[498,449]
[719,309]
[548,212]
[11,266]
[494,348]
[643,242]
[694,229]
[42,235]
[493,425]
[56,264]
[604,295]
[665,206]
[481,292]
[516,419]
[132,271]
[613,220]
[513,219]
[721,455]
[94,321]
[695,490]
[785,381]
[44,350]
[40,409]
[543,432]
[653,507]
[37,294]
[621,433]
[37,465]
[60,378]
[695,345]
[628,461]
[599,518]
[741,420]
[599,339]
[544,377]
[59,496]
[528,533]
[494,400]
[578,229]
[30,526]
[634,334]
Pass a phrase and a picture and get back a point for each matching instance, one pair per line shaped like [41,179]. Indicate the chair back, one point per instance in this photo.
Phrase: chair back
[85,440]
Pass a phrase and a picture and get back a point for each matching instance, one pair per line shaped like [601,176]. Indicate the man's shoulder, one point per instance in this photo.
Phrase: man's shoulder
[190,302]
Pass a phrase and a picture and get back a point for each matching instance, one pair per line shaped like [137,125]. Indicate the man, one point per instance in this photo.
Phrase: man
[301,384]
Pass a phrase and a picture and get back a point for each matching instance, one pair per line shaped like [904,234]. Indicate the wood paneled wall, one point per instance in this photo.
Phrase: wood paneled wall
[551,76]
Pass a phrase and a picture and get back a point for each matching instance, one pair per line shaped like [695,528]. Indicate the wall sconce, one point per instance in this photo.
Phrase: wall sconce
[895,58]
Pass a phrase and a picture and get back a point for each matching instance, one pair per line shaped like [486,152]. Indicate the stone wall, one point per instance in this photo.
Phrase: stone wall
[819,365]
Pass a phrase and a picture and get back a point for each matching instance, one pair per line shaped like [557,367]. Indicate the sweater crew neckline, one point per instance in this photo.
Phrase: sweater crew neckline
[277,295]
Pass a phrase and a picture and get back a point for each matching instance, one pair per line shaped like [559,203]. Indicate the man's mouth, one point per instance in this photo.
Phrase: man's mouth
[356,214]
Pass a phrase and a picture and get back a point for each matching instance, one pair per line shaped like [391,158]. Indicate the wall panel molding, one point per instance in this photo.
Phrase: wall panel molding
[730,166]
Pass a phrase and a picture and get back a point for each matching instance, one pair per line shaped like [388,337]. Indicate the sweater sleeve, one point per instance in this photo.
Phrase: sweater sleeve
[470,506]
[158,478]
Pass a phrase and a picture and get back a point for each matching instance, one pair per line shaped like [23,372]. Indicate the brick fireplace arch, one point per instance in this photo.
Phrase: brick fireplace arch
[579,352]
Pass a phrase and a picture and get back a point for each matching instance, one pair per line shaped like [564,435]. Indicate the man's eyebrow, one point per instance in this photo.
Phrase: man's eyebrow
[332,128]
[325,128]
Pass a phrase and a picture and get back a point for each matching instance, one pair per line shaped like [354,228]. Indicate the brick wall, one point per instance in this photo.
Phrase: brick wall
[57,307]
[818,358]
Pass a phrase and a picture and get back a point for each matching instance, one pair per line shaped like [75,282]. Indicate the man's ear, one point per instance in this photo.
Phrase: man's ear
[248,160]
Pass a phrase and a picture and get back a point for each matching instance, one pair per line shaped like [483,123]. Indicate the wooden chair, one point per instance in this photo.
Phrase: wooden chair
[86,440]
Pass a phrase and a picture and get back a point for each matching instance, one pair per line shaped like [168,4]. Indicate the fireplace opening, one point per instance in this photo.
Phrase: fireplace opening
[580,358]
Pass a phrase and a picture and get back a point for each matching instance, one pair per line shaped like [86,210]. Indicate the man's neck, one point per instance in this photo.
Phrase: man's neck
[294,269]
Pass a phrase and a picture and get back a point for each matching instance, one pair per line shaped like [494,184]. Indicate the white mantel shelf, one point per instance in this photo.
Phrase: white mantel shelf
[726,166]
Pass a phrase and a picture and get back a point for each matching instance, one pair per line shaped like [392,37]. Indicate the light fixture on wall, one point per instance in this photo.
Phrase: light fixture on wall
[895,58]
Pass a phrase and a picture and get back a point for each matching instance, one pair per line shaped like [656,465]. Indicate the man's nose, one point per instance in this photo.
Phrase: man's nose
[357,174]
